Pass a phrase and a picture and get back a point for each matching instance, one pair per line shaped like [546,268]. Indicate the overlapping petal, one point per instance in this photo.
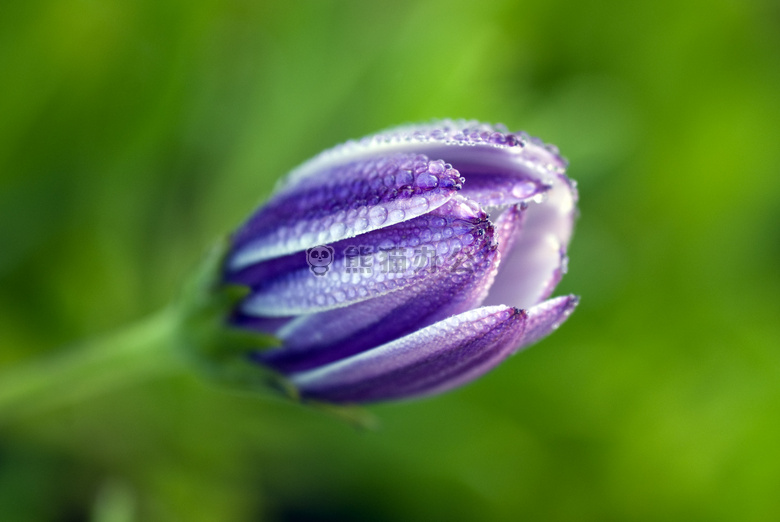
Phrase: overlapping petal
[341,201]
[444,289]
[285,286]
[437,358]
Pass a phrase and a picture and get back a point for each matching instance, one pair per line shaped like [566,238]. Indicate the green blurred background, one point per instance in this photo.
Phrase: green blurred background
[133,134]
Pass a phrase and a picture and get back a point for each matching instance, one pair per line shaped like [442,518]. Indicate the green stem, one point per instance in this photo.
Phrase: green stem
[131,355]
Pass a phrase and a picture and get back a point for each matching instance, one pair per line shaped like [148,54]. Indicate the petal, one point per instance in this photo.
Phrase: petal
[546,317]
[508,225]
[447,139]
[500,167]
[445,355]
[369,265]
[316,339]
[340,201]
[535,259]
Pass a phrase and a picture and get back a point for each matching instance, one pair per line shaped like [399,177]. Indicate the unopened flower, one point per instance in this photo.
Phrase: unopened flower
[407,263]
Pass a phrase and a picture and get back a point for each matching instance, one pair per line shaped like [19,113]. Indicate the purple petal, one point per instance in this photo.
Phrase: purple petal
[508,225]
[445,355]
[317,339]
[341,201]
[536,259]
[445,138]
[545,318]
[500,167]
[454,232]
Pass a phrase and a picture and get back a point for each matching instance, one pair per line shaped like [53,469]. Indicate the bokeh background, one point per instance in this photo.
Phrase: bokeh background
[134,134]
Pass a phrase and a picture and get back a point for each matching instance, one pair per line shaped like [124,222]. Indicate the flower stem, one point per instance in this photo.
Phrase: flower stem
[130,355]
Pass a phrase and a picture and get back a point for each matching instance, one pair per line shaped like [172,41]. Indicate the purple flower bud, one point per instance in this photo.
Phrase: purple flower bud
[406,263]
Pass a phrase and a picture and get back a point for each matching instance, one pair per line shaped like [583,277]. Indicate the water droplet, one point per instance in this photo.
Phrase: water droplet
[403,177]
[361,224]
[377,216]
[427,180]
[397,215]
[418,206]
[498,138]
[420,165]
[524,189]
[436,167]
[307,238]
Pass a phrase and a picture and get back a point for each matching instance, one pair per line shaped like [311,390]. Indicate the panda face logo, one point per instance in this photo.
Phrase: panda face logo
[319,259]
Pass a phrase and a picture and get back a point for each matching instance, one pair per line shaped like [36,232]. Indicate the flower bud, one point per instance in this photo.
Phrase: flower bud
[406,263]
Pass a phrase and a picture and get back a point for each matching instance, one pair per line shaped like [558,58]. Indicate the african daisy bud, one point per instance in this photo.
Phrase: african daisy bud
[407,263]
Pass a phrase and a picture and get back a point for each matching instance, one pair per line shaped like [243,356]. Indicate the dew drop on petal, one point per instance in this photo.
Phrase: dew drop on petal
[427,180]
[337,230]
[404,177]
[436,167]
[419,205]
[397,215]
[361,224]
[523,190]
[377,216]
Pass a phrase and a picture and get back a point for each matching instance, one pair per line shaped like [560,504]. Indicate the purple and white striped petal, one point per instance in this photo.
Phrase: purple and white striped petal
[341,201]
[470,142]
[535,259]
[285,287]
[500,168]
[445,355]
[508,225]
[317,339]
